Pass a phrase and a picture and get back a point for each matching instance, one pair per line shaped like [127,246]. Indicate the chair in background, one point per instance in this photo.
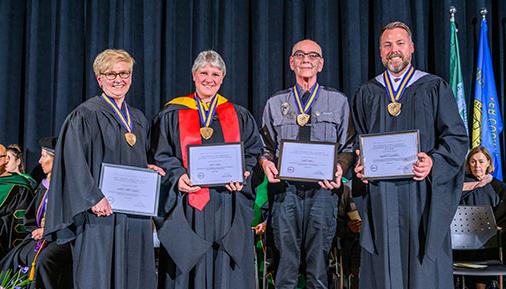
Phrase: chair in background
[476,243]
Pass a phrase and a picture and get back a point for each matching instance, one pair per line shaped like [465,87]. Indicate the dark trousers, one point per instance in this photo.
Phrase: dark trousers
[303,226]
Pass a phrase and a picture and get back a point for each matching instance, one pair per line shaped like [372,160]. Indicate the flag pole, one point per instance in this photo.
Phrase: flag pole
[452,11]
[483,13]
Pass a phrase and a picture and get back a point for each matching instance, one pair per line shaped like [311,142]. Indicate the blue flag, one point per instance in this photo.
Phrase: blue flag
[487,120]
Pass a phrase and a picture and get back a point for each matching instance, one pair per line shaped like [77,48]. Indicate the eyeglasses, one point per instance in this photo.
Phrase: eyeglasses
[113,75]
[299,55]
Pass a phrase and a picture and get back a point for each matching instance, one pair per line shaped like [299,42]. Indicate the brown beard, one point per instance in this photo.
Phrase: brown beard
[396,69]
[399,68]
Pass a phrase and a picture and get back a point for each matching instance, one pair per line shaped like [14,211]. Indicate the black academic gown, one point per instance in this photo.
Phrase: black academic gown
[53,268]
[405,232]
[108,252]
[16,193]
[500,210]
[212,248]
[483,196]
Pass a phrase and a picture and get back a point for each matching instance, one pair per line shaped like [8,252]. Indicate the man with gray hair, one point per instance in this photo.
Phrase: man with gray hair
[405,234]
[206,240]
[303,218]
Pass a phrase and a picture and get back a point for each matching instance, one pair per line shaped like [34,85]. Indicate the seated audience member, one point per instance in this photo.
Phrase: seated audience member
[14,160]
[49,264]
[480,168]
[481,189]
[16,165]
[16,193]
[479,185]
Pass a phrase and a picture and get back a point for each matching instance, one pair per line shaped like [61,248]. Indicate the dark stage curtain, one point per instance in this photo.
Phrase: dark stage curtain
[47,48]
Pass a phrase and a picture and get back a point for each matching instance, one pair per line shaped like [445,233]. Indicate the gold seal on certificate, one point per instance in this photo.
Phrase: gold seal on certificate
[389,155]
[216,164]
[307,161]
[394,108]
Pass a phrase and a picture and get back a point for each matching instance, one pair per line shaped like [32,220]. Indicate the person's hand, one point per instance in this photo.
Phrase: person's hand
[359,169]
[482,181]
[270,170]
[486,179]
[102,208]
[422,166]
[354,226]
[157,169]
[467,186]
[236,186]
[37,234]
[184,185]
[260,228]
[333,184]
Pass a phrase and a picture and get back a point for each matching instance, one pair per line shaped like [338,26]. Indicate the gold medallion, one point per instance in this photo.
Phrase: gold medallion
[206,132]
[302,119]
[130,138]
[394,108]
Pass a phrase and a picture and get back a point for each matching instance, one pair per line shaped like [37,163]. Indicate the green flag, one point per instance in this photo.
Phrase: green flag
[456,81]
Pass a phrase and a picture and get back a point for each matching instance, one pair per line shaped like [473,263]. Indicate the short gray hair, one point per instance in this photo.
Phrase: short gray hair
[209,57]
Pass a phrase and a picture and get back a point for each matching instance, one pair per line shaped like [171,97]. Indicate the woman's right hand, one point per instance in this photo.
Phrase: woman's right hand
[483,181]
[102,208]
[184,185]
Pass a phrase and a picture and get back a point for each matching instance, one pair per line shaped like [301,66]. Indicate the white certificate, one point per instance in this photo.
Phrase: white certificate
[389,155]
[307,161]
[130,190]
[216,164]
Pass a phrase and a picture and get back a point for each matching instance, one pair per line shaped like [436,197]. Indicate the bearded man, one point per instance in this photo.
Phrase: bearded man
[405,234]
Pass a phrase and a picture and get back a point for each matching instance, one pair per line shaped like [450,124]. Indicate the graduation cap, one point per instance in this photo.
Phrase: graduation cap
[48,144]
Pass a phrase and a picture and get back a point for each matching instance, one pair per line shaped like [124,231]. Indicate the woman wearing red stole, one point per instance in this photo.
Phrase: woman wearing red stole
[205,234]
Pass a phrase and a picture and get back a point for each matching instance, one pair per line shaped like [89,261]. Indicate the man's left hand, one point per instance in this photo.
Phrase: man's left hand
[422,166]
[336,184]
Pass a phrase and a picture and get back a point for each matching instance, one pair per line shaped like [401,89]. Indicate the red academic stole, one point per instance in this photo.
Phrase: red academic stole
[189,134]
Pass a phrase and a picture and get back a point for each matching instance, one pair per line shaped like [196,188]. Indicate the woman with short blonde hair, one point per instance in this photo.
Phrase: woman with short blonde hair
[110,249]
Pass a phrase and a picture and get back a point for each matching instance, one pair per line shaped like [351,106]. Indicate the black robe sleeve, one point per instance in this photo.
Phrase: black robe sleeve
[30,219]
[73,189]
[252,145]
[164,152]
[500,211]
[447,174]
[12,211]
